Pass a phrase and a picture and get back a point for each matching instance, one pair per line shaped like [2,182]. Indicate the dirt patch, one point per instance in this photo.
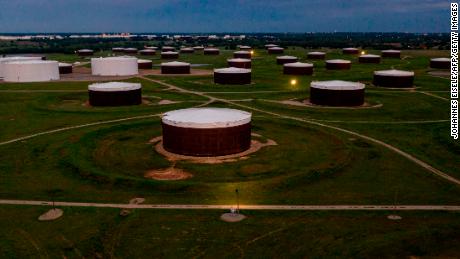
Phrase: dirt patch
[440,73]
[256,145]
[165,102]
[168,174]
[50,215]
[232,217]
[307,103]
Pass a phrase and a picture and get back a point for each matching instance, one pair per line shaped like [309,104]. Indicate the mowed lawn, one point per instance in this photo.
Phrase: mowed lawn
[105,158]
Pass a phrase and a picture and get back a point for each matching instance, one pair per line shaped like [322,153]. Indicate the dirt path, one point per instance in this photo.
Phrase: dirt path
[316,123]
[229,206]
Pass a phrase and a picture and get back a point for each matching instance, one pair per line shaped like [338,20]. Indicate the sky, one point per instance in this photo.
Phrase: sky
[206,16]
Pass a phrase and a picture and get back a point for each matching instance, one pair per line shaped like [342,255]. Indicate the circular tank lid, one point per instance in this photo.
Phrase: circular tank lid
[85,50]
[64,64]
[118,48]
[298,64]
[119,58]
[169,52]
[175,64]
[350,49]
[441,59]
[275,48]
[9,59]
[337,85]
[206,118]
[168,47]
[338,61]
[369,56]
[271,45]
[245,47]
[316,53]
[186,49]
[232,70]
[131,49]
[143,61]
[239,60]
[150,47]
[148,50]
[391,51]
[242,52]
[286,57]
[19,62]
[211,49]
[198,47]
[114,87]
[393,72]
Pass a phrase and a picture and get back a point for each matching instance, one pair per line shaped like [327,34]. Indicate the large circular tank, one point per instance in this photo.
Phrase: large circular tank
[440,63]
[391,53]
[394,78]
[337,93]
[338,64]
[206,131]
[232,76]
[30,71]
[16,58]
[239,62]
[369,58]
[175,67]
[114,66]
[115,94]
[298,68]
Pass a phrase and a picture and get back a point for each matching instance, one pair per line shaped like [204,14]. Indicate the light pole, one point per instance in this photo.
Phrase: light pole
[237,202]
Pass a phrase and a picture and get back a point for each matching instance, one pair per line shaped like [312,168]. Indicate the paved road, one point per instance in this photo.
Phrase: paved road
[228,206]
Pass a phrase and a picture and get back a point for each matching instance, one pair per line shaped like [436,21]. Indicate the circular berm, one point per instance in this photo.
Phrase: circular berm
[338,64]
[30,71]
[281,60]
[175,67]
[337,93]
[239,62]
[391,53]
[65,68]
[211,51]
[316,55]
[440,63]
[114,66]
[85,52]
[187,50]
[232,76]
[147,52]
[206,131]
[298,68]
[242,54]
[275,50]
[144,64]
[394,78]
[115,94]
[369,58]
[130,50]
[169,55]
[350,51]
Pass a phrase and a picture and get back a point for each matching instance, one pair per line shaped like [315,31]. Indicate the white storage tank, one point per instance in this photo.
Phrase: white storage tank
[31,71]
[9,59]
[114,66]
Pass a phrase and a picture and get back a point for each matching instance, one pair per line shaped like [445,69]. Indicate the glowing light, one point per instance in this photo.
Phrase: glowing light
[252,52]
[363,52]
[293,82]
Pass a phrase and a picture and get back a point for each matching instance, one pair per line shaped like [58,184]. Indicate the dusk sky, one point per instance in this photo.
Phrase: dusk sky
[224,16]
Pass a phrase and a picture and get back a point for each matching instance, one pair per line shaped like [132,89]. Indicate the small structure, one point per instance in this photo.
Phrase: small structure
[338,64]
[391,53]
[275,50]
[351,51]
[211,51]
[369,58]
[242,54]
[440,63]
[206,131]
[65,68]
[175,68]
[130,50]
[30,71]
[337,93]
[169,55]
[114,66]
[115,94]
[281,60]
[187,50]
[144,64]
[85,52]
[394,78]
[147,52]
[232,76]
[298,68]
[316,55]
[239,62]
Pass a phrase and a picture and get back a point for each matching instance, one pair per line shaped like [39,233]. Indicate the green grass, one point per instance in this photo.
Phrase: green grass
[310,165]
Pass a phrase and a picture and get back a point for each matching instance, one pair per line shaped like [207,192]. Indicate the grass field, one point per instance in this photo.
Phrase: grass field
[102,154]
